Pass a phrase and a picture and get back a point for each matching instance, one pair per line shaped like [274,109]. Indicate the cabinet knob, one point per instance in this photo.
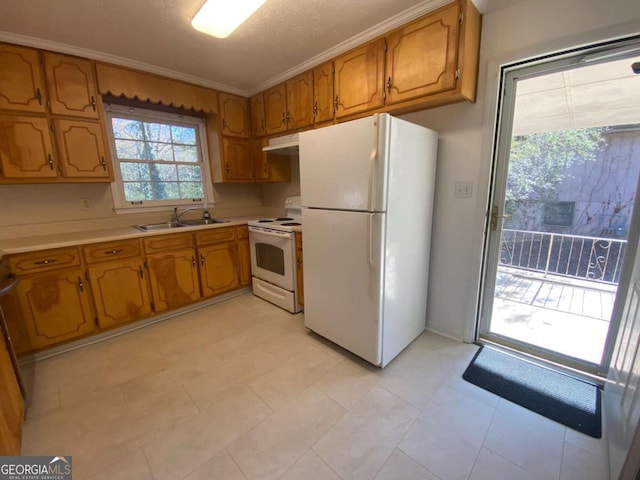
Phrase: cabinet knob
[227,167]
[103,163]
[284,117]
[202,260]
[93,103]
[224,124]
[335,104]
[80,284]
[193,260]
[315,109]
[389,85]
[50,161]
[288,117]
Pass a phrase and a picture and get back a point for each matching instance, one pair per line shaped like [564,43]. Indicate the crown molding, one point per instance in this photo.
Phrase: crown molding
[363,37]
[116,60]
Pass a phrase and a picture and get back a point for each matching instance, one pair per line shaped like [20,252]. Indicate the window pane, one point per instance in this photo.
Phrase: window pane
[184,135]
[130,149]
[134,171]
[192,189]
[160,151]
[136,191]
[158,132]
[127,129]
[163,172]
[185,154]
[166,191]
[191,173]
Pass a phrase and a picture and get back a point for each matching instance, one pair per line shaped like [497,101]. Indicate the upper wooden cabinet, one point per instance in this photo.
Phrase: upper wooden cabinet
[323,93]
[21,82]
[81,149]
[422,56]
[26,149]
[359,79]
[256,106]
[234,115]
[269,167]
[289,105]
[300,101]
[236,153]
[275,108]
[72,86]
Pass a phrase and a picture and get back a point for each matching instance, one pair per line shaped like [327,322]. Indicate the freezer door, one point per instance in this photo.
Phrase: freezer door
[343,166]
[342,278]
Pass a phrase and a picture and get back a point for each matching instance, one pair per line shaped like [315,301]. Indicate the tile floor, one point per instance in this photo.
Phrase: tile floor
[240,390]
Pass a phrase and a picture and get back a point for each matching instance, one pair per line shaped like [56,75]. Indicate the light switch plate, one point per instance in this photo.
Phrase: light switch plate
[463,189]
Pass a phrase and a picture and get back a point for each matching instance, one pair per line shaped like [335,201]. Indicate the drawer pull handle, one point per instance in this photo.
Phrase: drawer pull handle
[115,251]
[80,284]
[45,262]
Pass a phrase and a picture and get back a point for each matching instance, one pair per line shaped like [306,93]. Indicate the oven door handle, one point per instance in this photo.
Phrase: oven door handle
[271,234]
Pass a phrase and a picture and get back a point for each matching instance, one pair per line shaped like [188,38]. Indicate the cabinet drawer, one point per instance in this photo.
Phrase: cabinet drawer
[103,252]
[162,243]
[243,231]
[216,235]
[298,240]
[43,260]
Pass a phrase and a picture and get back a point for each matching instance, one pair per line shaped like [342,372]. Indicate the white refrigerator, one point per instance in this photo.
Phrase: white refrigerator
[367,196]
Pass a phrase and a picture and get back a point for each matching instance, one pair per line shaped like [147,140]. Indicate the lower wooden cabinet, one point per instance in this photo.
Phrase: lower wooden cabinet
[120,291]
[244,256]
[174,279]
[55,307]
[218,268]
[67,293]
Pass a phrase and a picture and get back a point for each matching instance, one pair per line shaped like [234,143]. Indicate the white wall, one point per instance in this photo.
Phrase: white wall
[522,30]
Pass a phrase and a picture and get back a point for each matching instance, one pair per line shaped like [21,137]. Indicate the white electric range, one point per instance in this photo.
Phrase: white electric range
[273,265]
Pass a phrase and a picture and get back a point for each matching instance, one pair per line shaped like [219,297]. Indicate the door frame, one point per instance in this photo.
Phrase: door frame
[509,73]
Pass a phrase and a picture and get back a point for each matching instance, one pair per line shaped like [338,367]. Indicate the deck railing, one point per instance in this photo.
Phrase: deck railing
[586,258]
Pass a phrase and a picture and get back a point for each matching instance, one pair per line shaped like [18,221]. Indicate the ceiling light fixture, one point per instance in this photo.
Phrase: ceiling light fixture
[221,17]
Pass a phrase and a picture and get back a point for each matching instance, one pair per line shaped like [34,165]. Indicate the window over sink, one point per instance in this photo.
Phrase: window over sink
[159,158]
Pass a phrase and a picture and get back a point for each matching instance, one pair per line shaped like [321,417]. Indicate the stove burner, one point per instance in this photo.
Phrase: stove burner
[265,221]
[291,224]
[283,219]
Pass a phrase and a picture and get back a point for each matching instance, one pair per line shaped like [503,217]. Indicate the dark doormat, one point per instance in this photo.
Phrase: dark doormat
[565,399]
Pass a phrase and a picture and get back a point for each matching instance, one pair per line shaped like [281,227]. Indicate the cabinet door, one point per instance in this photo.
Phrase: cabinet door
[72,85]
[275,109]
[11,405]
[258,127]
[234,115]
[120,291]
[260,161]
[81,149]
[21,84]
[422,56]
[244,258]
[236,153]
[26,150]
[55,306]
[174,279]
[359,79]
[323,93]
[300,101]
[218,268]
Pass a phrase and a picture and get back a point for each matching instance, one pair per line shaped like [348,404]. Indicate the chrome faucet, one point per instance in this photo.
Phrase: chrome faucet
[175,218]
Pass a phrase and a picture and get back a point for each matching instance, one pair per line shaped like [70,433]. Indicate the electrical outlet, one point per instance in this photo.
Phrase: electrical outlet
[86,204]
[463,189]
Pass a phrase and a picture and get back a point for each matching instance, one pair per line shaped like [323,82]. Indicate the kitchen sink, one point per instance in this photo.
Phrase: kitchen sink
[200,221]
[150,227]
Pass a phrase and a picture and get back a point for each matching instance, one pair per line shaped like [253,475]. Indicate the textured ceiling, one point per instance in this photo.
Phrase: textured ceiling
[281,35]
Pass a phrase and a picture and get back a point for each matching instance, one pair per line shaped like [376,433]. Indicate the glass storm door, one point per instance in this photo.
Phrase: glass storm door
[564,194]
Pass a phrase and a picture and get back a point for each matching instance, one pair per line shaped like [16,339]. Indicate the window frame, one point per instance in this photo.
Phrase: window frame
[121,205]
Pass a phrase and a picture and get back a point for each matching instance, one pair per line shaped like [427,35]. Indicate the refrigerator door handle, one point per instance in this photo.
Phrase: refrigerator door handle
[370,241]
[372,167]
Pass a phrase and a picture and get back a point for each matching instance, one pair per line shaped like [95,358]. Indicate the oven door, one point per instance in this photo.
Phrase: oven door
[272,256]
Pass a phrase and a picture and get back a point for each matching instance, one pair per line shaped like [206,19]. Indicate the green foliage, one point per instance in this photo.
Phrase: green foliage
[539,162]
